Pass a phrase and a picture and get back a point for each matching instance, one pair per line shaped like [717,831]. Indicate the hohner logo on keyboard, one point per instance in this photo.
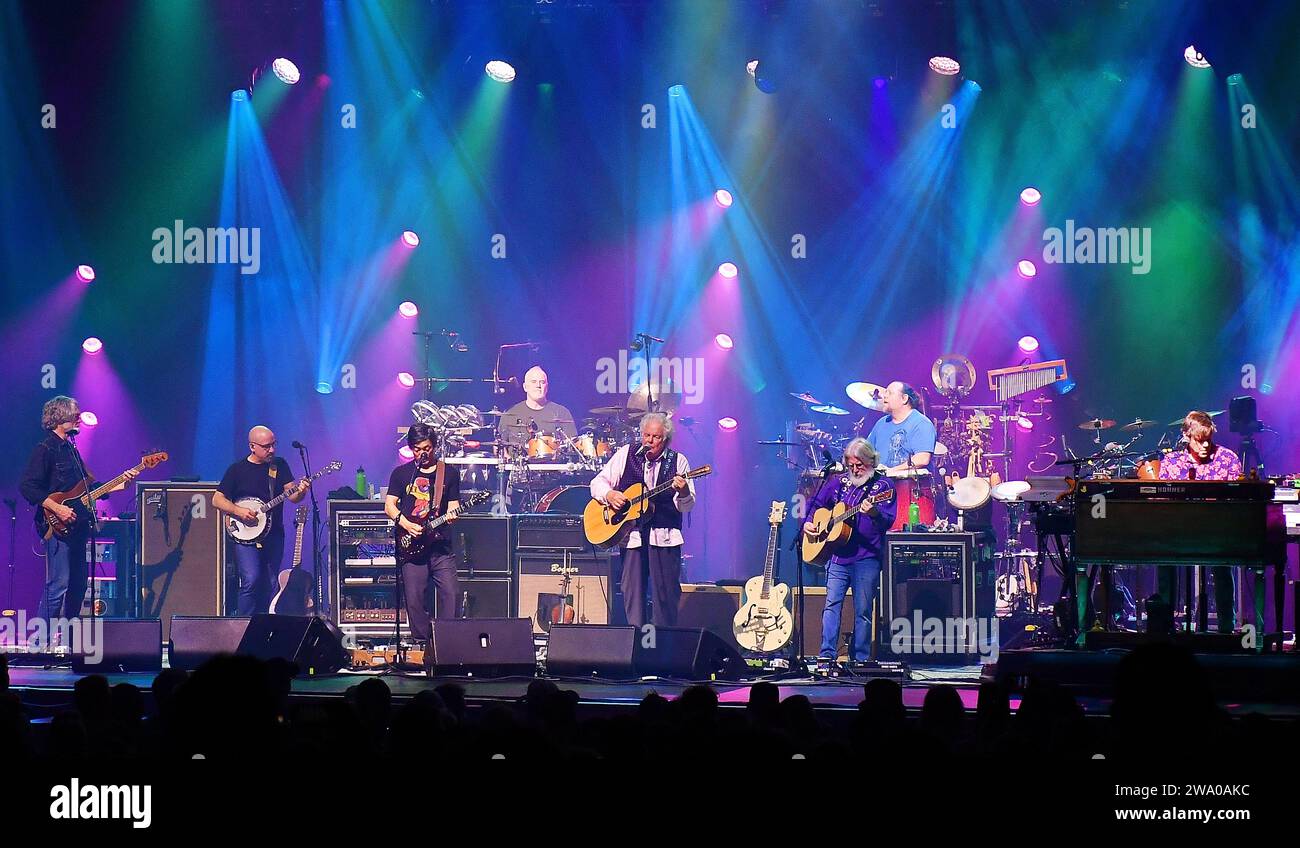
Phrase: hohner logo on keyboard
[556,568]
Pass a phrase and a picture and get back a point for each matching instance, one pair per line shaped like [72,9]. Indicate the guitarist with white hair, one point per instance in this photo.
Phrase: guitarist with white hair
[654,548]
[857,563]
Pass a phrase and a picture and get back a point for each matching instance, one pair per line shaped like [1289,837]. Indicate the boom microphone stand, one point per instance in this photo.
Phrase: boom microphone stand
[12,503]
[315,527]
[94,529]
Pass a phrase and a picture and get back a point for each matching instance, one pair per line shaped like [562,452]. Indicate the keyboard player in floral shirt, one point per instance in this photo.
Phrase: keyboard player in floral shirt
[1202,459]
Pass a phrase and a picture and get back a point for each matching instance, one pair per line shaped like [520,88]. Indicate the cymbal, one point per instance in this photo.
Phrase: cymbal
[604,410]
[1180,421]
[1138,424]
[1098,424]
[667,399]
[804,396]
[778,444]
[829,409]
[866,395]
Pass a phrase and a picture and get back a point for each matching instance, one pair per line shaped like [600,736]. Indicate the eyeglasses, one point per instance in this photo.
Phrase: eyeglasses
[855,464]
[264,447]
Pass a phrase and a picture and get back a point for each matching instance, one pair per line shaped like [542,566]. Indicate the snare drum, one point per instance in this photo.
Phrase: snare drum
[540,447]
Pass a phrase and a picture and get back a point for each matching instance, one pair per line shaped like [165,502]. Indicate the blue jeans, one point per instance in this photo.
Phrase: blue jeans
[65,577]
[864,575]
[258,566]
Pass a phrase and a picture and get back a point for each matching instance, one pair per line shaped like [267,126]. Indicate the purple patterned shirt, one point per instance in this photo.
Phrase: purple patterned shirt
[1223,465]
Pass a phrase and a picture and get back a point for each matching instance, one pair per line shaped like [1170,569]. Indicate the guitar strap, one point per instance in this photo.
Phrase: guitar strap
[439,479]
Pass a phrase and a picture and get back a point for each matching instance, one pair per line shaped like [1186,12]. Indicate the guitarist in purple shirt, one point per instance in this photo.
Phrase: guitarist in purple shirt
[858,563]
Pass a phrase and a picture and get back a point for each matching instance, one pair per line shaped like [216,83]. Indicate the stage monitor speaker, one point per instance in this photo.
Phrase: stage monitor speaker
[313,643]
[541,577]
[689,653]
[126,645]
[198,638]
[483,545]
[577,650]
[182,549]
[483,647]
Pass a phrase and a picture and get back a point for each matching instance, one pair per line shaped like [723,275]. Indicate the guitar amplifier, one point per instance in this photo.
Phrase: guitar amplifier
[482,545]
[928,576]
[550,532]
[541,577]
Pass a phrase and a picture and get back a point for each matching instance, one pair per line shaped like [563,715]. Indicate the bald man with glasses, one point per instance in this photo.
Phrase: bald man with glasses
[262,475]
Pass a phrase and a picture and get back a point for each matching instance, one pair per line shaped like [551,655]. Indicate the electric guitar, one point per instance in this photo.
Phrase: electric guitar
[410,548]
[77,494]
[831,530]
[294,595]
[255,530]
[764,623]
[607,527]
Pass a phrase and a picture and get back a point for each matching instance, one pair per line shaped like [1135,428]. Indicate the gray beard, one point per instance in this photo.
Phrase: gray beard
[858,479]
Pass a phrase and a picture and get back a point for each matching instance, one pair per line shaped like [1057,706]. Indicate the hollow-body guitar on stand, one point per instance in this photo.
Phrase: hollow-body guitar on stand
[254,531]
[294,595]
[764,623]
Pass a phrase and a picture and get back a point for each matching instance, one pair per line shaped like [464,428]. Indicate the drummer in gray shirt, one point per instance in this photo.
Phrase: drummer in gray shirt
[535,412]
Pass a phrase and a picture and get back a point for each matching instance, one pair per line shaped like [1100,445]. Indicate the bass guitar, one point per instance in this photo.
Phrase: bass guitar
[607,527]
[831,530]
[764,623]
[411,548]
[78,494]
[254,531]
[294,594]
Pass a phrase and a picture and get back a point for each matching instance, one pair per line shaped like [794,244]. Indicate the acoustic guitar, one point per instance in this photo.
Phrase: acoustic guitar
[607,527]
[294,595]
[831,530]
[763,623]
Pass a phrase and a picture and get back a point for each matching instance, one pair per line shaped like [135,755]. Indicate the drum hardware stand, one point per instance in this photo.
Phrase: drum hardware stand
[12,503]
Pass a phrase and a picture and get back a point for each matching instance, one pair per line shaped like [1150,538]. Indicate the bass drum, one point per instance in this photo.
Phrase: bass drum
[1149,469]
[565,500]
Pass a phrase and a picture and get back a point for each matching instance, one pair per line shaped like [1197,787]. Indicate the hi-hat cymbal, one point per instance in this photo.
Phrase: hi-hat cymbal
[1098,424]
[829,409]
[804,396]
[1138,424]
[1180,421]
[866,395]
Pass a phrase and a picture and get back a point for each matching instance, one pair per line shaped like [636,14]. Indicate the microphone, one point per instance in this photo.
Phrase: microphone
[652,338]
[299,445]
[641,449]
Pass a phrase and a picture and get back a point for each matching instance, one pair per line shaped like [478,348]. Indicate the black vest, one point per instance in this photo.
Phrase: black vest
[666,513]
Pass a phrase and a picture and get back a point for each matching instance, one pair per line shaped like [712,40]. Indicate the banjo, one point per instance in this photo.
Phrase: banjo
[253,532]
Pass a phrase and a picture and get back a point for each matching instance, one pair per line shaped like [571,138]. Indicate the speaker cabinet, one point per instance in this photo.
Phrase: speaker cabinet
[195,639]
[484,647]
[313,643]
[484,597]
[482,544]
[541,578]
[577,650]
[713,607]
[127,645]
[182,551]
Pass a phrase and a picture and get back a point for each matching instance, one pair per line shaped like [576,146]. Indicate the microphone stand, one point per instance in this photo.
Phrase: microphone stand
[94,530]
[315,531]
[12,503]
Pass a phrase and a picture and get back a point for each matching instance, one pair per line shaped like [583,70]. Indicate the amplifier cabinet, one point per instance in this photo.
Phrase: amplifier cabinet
[541,578]
[182,553]
[940,576]
[551,532]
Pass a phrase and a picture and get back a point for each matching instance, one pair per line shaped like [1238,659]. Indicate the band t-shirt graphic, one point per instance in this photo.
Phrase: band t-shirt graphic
[414,490]
[265,480]
[897,442]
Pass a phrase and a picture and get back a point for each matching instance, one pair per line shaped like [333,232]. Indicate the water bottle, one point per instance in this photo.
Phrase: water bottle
[361,488]
[913,516]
